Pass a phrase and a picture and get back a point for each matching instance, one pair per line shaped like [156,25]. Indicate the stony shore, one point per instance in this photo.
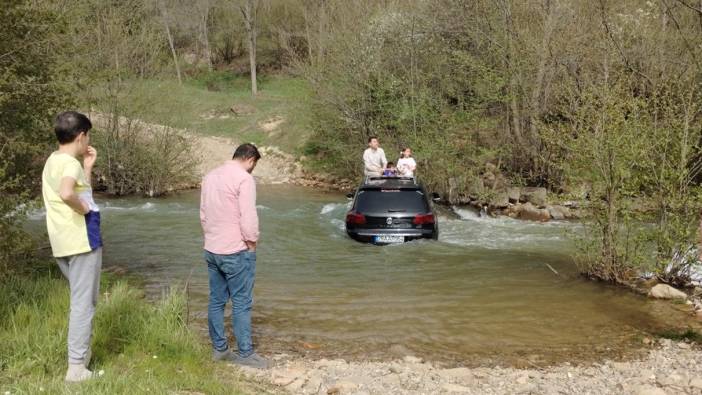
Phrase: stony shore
[669,368]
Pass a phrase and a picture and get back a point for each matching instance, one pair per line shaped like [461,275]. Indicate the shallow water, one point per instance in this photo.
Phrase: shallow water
[485,293]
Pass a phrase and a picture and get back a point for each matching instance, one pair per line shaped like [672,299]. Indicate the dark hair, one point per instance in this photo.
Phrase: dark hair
[69,124]
[371,138]
[390,164]
[246,151]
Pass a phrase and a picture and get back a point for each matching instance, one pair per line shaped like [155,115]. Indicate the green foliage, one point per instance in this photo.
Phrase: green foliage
[398,83]
[141,159]
[140,345]
[31,92]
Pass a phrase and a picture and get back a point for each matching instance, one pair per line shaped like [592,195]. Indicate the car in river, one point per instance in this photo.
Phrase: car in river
[389,210]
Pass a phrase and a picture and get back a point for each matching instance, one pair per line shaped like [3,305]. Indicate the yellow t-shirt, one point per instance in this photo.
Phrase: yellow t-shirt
[70,233]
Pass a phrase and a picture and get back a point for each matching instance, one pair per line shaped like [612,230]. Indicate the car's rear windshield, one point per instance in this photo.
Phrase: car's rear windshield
[391,200]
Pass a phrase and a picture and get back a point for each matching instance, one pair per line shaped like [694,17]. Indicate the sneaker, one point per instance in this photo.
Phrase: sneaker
[225,355]
[253,361]
[77,372]
[88,355]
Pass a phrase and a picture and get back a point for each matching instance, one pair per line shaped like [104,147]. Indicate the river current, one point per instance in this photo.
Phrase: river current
[489,291]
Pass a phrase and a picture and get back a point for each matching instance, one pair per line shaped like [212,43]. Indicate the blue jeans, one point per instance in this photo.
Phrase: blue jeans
[231,276]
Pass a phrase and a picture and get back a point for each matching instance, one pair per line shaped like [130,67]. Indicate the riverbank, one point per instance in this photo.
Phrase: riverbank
[139,345]
[668,368]
[145,346]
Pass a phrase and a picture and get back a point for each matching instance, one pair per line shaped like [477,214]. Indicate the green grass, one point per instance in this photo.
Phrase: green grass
[142,346]
[189,106]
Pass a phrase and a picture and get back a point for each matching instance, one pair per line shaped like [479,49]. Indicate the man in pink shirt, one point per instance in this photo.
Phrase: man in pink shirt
[230,224]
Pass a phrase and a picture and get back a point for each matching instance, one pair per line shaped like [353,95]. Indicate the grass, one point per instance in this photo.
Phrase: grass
[202,105]
[140,345]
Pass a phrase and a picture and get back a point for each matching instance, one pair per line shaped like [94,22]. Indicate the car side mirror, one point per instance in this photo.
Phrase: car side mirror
[435,197]
[349,196]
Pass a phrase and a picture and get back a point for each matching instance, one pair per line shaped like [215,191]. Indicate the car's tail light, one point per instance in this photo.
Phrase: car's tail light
[421,219]
[355,218]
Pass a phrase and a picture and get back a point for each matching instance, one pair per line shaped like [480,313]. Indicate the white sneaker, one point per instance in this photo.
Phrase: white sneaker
[77,373]
[88,355]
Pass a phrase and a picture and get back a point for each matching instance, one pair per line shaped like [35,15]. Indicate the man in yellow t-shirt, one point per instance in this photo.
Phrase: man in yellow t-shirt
[73,224]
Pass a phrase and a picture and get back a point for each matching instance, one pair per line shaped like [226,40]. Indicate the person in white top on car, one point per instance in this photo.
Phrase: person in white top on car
[406,164]
[374,158]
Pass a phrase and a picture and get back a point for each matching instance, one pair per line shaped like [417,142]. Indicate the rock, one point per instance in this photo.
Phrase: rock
[559,212]
[412,359]
[529,212]
[533,195]
[523,379]
[296,385]
[513,194]
[499,200]
[476,187]
[342,386]
[242,109]
[454,388]
[696,383]
[285,376]
[684,346]
[460,373]
[665,291]
[670,380]
[314,383]
[649,390]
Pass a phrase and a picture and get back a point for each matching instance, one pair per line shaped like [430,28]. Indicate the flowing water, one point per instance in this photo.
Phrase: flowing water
[489,291]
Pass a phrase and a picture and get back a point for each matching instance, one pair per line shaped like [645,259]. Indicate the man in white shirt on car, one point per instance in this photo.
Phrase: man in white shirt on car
[374,158]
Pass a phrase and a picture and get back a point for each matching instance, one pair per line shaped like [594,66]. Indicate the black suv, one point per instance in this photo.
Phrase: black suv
[391,210]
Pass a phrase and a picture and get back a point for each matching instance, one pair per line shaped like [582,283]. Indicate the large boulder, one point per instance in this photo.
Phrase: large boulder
[533,195]
[475,187]
[499,200]
[529,212]
[665,291]
[514,193]
[559,212]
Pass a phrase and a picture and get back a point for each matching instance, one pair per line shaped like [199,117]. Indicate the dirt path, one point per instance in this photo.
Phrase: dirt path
[275,166]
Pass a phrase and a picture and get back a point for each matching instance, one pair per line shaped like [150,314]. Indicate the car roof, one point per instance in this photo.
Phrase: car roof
[390,183]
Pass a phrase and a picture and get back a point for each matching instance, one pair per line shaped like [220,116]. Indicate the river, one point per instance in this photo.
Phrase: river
[489,291]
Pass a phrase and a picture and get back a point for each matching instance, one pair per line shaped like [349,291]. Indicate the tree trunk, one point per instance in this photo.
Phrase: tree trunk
[205,34]
[308,36]
[170,42]
[248,11]
[516,119]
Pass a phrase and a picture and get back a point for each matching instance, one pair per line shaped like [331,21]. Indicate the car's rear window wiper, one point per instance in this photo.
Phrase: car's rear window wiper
[396,210]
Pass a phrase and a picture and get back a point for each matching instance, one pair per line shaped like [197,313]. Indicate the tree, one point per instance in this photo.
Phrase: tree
[249,11]
[31,93]
[163,7]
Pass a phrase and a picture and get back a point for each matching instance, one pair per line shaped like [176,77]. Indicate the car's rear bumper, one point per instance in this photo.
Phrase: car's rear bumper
[368,235]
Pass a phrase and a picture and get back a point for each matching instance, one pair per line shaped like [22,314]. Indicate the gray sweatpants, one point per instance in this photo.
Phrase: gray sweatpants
[83,274]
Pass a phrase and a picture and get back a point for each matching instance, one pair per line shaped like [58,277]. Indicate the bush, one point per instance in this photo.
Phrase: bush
[136,158]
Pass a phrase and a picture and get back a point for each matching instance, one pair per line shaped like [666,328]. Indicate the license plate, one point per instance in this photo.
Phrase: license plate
[389,239]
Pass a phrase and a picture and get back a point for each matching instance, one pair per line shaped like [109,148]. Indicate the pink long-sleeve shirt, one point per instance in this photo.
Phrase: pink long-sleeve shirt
[228,209]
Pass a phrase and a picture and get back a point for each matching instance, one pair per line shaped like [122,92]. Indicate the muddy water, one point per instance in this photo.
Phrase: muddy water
[490,291]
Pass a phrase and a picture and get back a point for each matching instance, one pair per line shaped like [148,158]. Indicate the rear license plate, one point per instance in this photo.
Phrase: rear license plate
[389,239]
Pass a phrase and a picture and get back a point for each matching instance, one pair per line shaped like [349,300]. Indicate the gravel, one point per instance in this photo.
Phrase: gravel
[669,368]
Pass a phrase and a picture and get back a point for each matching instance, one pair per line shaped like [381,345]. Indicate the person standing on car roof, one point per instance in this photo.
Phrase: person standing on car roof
[374,160]
[406,165]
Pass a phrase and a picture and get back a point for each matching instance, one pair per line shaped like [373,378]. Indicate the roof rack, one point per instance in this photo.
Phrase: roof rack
[369,179]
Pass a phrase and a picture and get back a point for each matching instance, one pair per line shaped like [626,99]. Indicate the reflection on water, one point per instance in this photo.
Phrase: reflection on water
[483,293]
